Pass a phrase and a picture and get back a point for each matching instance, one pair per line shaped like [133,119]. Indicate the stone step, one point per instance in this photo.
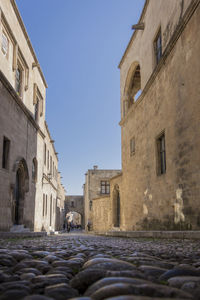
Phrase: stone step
[19,228]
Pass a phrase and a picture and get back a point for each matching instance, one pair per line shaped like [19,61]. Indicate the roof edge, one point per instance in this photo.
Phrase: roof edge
[134,33]
[16,10]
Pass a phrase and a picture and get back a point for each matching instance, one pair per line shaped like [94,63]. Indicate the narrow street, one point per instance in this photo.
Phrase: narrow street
[75,265]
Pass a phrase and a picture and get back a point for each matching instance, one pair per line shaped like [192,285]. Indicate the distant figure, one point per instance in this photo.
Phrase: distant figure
[68,226]
[64,226]
[88,226]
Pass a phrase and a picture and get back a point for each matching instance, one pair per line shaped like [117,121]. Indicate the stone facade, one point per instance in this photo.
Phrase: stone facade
[75,203]
[97,187]
[25,179]
[159,129]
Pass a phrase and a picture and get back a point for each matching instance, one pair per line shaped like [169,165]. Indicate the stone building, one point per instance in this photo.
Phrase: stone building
[23,131]
[96,193]
[60,205]
[160,88]
[75,203]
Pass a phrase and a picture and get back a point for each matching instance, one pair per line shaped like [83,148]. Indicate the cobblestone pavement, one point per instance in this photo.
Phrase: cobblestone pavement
[78,266]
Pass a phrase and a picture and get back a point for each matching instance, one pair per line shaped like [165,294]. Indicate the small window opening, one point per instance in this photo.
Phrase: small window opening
[158,46]
[161,154]
[6,150]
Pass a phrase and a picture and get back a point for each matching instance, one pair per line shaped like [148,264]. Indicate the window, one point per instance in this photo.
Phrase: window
[6,150]
[105,187]
[50,211]
[36,113]
[132,146]
[46,206]
[18,81]
[51,164]
[161,154]
[34,170]
[72,204]
[158,47]
[4,44]
[45,153]
[48,160]
[43,205]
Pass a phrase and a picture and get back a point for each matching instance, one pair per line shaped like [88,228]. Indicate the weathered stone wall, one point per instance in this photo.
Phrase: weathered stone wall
[92,189]
[18,127]
[47,185]
[101,214]
[169,103]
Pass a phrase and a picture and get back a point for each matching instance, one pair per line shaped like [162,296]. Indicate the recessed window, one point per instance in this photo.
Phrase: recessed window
[18,81]
[161,154]
[6,150]
[135,87]
[34,170]
[46,206]
[132,146]
[45,153]
[105,187]
[36,113]
[43,205]
[158,46]
[4,44]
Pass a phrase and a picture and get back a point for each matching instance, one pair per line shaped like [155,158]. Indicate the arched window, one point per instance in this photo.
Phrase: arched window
[34,170]
[135,87]
[132,89]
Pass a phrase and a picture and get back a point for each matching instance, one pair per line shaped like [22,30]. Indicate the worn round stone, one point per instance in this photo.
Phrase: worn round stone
[153,290]
[85,278]
[111,280]
[178,281]
[127,297]
[179,272]
[152,271]
[27,276]
[29,270]
[37,297]
[14,294]
[61,291]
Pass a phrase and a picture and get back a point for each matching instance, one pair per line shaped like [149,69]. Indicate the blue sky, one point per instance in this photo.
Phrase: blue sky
[79,44]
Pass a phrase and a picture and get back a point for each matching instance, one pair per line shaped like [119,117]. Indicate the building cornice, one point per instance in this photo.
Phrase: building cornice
[51,141]
[19,18]
[180,28]
[19,102]
[116,176]
[49,182]
[134,33]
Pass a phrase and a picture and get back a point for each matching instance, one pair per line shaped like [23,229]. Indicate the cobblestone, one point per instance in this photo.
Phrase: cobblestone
[79,266]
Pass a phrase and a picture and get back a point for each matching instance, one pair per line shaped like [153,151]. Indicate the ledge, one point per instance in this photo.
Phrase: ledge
[20,235]
[154,234]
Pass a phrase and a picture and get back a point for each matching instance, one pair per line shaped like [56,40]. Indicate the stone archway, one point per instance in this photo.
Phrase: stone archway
[21,187]
[116,206]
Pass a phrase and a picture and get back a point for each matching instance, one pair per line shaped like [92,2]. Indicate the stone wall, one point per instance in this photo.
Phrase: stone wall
[16,125]
[169,103]
[101,214]
[92,189]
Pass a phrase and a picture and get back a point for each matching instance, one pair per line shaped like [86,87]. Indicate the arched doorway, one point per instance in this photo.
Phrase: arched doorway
[116,206]
[21,187]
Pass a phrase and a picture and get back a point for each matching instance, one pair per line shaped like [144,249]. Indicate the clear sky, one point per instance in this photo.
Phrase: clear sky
[79,44]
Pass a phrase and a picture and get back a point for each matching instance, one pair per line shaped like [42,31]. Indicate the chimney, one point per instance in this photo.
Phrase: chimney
[95,167]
